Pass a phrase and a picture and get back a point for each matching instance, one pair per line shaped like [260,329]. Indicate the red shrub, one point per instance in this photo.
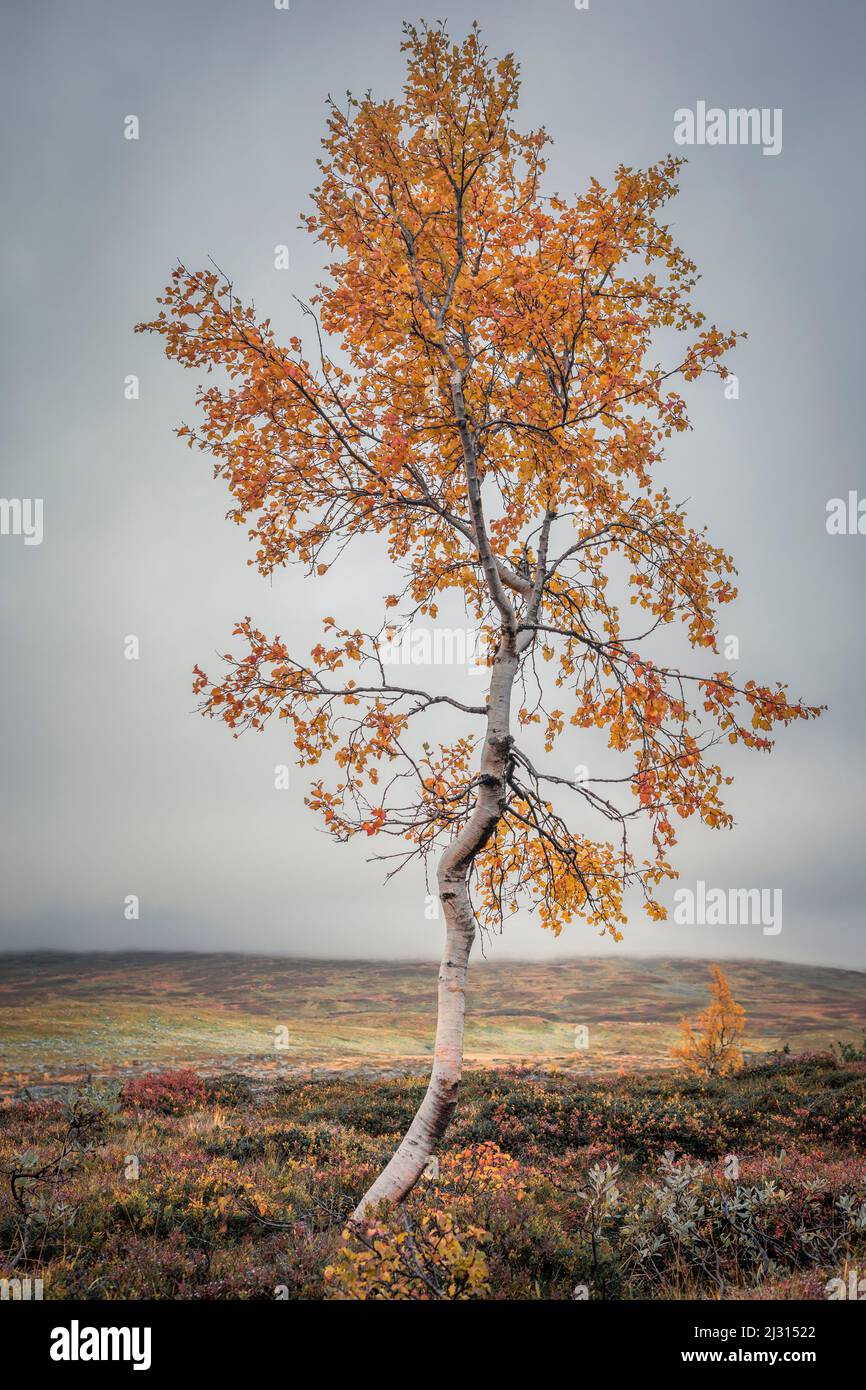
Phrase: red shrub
[169,1092]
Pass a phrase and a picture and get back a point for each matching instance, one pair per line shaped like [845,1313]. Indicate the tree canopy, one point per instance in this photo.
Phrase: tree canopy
[481,388]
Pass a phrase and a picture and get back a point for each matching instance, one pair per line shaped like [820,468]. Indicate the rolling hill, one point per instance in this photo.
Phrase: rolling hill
[63,1015]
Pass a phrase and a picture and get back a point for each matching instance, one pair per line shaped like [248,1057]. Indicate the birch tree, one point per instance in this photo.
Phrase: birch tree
[712,1046]
[481,389]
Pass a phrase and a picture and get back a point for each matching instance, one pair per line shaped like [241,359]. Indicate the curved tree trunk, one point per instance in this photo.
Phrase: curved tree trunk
[437,1107]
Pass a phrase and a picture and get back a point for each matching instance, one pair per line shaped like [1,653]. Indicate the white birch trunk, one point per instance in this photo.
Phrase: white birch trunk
[440,1100]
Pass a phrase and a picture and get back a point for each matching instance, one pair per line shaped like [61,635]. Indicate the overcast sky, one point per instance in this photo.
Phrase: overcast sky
[111,785]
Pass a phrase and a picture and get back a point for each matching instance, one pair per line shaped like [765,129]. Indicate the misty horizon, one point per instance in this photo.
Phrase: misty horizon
[113,786]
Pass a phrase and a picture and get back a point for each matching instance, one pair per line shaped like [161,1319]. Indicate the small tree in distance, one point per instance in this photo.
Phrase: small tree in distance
[712,1047]
[482,393]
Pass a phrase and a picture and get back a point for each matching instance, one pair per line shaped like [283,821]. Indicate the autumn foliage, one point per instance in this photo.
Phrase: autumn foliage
[545,1183]
[712,1046]
[169,1092]
[481,390]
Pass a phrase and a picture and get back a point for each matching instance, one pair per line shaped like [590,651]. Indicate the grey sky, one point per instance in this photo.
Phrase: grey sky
[111,785]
